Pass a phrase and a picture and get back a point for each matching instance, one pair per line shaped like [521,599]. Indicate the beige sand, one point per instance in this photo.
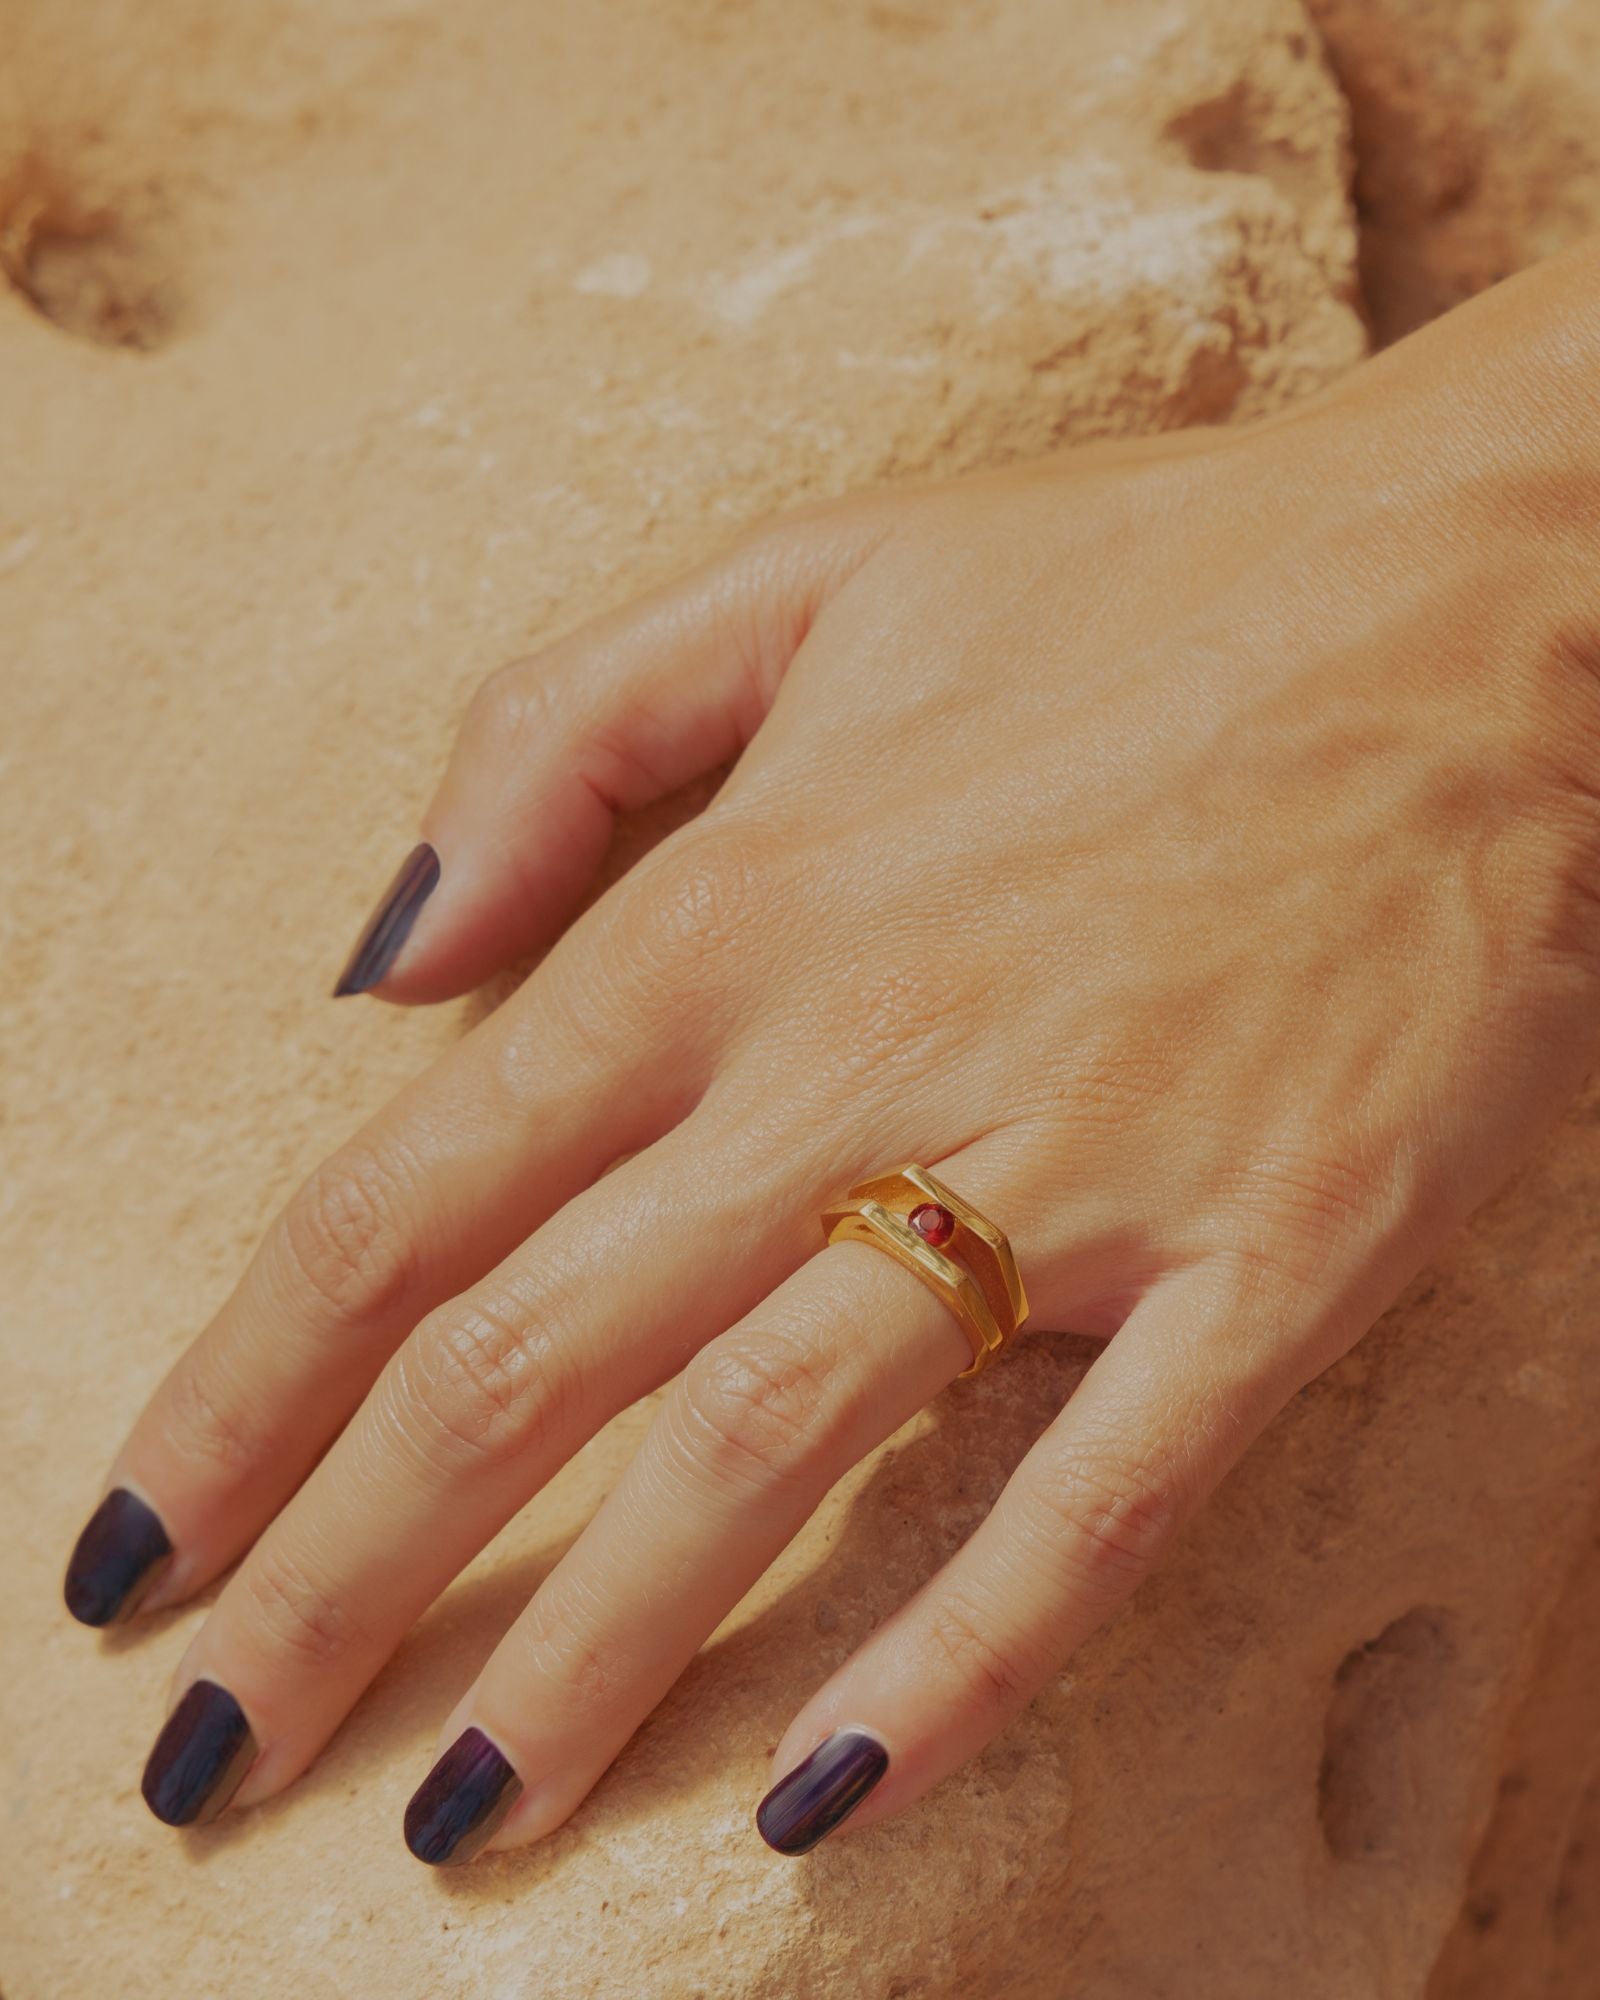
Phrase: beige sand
[349,348]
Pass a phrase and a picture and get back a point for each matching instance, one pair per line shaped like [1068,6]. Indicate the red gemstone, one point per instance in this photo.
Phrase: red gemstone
[932,1223]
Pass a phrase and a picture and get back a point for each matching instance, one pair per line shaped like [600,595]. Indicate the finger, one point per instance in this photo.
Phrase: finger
[1167,1407]
[747,1442]
[526,1110]
[624,710]
[486,1400]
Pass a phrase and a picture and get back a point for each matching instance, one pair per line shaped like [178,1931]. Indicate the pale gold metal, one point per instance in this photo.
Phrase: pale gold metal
[984,1291]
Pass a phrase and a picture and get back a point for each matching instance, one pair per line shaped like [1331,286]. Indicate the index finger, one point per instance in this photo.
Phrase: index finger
[441,1185]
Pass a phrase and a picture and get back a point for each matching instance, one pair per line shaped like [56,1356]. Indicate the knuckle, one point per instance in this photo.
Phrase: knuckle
[710,891]
[592,1022]
[1326,1194]
[1571,934]
[297,1615]
[1107,1528]
[906,1023]
[347,1234]
[1257,1270]
[511,707]
[757,1409]
[1564,680]
[1574,652]
[480,1387]
[1299,1210]
[562,1652]
[1113,1084]
[206,1421]
[618,759]
[996,1672]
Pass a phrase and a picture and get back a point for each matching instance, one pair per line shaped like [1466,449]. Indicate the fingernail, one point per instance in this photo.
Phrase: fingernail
[819,1792]
[122,1551]
[200,1757]
[461,1801]
[389,926]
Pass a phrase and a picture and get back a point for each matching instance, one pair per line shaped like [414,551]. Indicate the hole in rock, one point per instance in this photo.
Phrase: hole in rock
[86,265]
[1378,1740]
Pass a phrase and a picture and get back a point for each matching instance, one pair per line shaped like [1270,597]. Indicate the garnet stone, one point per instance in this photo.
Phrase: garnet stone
[932,1223]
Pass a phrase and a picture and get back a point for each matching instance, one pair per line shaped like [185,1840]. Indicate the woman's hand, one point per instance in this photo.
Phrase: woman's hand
[1187,850]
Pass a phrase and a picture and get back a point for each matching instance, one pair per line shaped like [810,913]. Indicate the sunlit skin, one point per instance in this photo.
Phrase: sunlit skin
[1188,849]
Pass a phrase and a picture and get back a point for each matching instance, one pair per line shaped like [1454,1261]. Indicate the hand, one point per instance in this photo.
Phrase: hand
[1188,850]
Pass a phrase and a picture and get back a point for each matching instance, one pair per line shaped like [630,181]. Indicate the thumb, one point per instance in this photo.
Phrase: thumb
[620,712]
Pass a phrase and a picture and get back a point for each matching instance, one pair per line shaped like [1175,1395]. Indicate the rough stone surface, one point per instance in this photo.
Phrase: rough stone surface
[1477,141]
[349,348]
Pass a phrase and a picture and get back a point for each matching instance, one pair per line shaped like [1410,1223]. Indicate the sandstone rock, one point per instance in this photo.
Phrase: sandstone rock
[1477,143]
[350,348]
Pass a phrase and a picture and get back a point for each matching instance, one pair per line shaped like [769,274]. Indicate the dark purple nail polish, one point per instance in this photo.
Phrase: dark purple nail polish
[117,1558]
[200,1757]
[823,1789]
[389,926]
[461,1801]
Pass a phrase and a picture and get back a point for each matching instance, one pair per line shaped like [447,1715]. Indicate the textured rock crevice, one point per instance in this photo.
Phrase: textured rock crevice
[1389,1714]
[96,270]
[1473,126]
[1529,1923]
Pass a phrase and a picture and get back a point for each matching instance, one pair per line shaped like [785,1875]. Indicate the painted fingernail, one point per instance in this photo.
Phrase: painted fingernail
[389,926]
[122,1551]
[461,1801]
[200,1757]
[819,1792]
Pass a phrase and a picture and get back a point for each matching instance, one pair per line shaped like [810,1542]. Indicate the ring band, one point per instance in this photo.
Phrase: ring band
[925,1227]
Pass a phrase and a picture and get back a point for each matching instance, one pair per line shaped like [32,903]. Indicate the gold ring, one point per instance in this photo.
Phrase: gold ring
[925,1227]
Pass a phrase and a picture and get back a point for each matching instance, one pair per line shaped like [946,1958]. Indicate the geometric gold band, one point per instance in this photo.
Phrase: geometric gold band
[926,1227]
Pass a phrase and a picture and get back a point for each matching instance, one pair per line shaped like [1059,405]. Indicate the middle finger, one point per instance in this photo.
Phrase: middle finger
[746,1443]
[484,1403]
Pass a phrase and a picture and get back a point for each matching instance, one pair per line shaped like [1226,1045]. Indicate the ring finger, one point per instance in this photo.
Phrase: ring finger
[750,1438]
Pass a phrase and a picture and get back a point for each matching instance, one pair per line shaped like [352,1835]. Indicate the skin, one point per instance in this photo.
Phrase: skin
[1187,849]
